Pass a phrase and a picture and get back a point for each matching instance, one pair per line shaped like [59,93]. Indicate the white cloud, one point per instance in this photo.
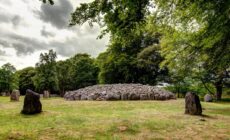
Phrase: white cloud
[24,33]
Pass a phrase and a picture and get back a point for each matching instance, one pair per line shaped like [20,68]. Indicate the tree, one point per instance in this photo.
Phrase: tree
[8,79]
[46,73]
[83,71]
[64,77]
[137,62]
[149,60]
[118,17]
[26,79]
[126,22]
[197,35]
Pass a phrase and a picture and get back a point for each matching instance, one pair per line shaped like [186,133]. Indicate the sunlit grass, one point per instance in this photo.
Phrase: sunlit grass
[68,120]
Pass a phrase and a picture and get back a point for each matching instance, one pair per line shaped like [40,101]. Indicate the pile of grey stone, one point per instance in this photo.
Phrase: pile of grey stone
[119,92]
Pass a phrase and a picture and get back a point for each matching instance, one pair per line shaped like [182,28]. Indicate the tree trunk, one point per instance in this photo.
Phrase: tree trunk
[219,88]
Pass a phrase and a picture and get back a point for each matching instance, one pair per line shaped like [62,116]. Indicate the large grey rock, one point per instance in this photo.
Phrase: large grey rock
[32,104]
[14,96]
[192,104]
[119,92]
[208,98]
[46,94]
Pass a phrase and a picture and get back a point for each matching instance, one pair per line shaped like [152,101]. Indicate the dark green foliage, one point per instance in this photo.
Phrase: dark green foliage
[126,22]
[83,71]
[149,60]
[77,72]
[64,78]
[46,73]
[8,78]
[117,66]
[120,17]
[190,38]
[25,77]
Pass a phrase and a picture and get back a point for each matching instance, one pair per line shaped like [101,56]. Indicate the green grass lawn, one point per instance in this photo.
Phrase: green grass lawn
[118,120]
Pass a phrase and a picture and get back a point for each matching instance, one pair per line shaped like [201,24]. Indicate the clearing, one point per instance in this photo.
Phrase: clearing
[136,120]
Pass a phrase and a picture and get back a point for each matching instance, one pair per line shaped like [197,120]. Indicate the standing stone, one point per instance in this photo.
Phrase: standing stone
[46,94]
[3,94]
[208,98]
[192,104]
[14,96]
[32,104]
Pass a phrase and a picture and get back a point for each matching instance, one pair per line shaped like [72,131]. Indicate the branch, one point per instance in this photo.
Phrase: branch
[50,1]
[205,86]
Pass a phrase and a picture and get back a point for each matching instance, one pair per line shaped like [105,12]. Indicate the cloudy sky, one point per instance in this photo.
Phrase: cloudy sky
[29,27]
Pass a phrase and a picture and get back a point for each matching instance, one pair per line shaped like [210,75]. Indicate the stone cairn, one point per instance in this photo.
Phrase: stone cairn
[32,104]
[119,92]
[46,94]
[192,104]
[14,96]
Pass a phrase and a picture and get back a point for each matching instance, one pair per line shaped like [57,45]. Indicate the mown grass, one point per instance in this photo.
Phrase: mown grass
[115,120]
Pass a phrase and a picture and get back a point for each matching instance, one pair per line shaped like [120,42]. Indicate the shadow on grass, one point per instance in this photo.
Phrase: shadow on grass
[207,116]
[32,115]
[224,100]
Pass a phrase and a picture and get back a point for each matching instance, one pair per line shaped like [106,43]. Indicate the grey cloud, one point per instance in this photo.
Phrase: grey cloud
[16,20]
[6,2]
[58,14]
[23,45]
[23,49]
[46,33]
[4,18]
[2,53]
[4,43]
[75,45]
[26,45]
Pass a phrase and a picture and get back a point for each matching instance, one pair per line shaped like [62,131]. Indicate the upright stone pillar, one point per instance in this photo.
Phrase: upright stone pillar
[32,104]
[14,96]
[192,104]
[46,94]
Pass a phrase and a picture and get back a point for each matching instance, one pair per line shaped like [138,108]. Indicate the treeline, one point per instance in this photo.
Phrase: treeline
[185,43]
[81,70]
[56,77]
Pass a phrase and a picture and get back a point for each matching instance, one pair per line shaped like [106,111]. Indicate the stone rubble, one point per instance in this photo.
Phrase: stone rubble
[119,92]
